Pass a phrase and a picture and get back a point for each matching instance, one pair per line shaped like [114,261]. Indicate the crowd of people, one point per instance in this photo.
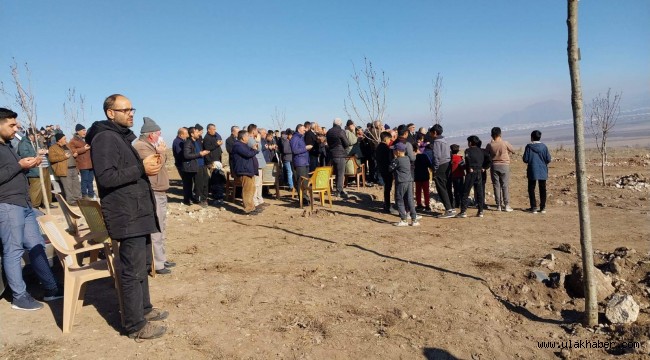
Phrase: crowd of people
[132,183]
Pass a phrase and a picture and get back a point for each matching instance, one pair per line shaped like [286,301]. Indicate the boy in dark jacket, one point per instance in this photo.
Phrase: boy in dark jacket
[537,157]
[401,168]
[475,163]
[422,164]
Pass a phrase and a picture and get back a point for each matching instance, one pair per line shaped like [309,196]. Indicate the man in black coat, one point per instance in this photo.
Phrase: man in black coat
[212,142]
[129,210]
[311,138]
[338,142]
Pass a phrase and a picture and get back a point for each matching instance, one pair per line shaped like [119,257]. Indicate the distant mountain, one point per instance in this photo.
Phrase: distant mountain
[541,112]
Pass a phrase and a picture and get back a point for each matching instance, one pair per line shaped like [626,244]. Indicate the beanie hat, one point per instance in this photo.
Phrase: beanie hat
[58,136]
[149,126]
[79,127]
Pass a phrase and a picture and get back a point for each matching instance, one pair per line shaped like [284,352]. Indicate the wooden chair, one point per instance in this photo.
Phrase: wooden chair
[271,177]
[318,182]
[232,183]
[355,170]
[76,275]
[71,217]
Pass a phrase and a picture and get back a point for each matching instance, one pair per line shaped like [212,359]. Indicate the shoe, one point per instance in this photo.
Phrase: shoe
[509,209]
[543,211]
[532,210]
[344,195]
[51,295]
[402,223]
[498,208]
[52,206]
[156,315]
[26,303]
[452,211]
[480,214]
[447,214]
[149,331]
[204,204]
[418,217]
[394,212]
[415,223]
[186,203]
[462,215]
[419,208]
[163,271]
[170,264]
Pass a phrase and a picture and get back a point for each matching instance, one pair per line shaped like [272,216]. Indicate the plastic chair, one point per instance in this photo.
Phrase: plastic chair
[318,182]
[71,217]
[76,275]
[355,170]
[271,177]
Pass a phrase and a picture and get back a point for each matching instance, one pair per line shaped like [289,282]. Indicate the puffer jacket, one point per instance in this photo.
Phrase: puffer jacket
[128,202]
[337,142]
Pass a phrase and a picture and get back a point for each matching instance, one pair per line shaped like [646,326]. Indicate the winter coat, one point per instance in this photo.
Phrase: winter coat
[177,150]
[337,142]
[287,155]
[422,164]
[128,202]
[312,139]
[83,161]
[401,167]
[537,157]
[210,143]
[299,150]
[58,160]
[160,181]
[26,149]
[441,153]
[190,156]
[244,160]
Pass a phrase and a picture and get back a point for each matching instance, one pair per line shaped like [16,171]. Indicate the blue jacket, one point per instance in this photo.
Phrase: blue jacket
[244,160]
[537,157]
[299,150]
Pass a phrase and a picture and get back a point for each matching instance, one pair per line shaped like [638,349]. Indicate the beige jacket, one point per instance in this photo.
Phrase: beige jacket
[159,182]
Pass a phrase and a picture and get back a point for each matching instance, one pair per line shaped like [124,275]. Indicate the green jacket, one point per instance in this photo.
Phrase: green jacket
[26,149]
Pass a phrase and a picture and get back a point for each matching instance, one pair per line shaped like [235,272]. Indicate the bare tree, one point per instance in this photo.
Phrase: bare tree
[435,100]
[278,119]
[24,98]
[602,119]
[573,52]
[74,108]
[370,90]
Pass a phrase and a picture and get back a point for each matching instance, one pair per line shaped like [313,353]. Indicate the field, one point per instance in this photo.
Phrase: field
[343,283]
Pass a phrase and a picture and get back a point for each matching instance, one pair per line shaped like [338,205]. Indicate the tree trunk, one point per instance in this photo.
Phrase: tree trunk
[591,305]
[603,159]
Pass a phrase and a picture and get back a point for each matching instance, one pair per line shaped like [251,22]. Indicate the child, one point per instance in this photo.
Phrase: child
[421,174]
[500,170]
[384,156]
[537,157]
[487,161]
[457,174]
[401,167]
[475,158]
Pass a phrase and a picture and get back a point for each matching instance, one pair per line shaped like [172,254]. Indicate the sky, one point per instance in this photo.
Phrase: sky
[235,62]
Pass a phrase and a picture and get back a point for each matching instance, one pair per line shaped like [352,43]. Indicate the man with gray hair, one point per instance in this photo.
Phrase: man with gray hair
[337,143]
[230,141]
[150,142]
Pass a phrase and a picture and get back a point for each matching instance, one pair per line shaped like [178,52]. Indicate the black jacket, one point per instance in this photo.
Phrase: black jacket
[210,143]
[190,156]
[128,202]
[312,139]
[337,142]
[285,149]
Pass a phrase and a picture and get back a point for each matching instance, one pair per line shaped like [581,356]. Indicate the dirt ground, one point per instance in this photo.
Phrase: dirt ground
[343,283]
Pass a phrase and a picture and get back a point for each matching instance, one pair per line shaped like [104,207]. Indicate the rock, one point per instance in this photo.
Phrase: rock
[574,283]
[401,313]
[538,275]
[556,280]
[567,248]
[623,251]
[565,354]
[622,309]
[548,261]
[644,349]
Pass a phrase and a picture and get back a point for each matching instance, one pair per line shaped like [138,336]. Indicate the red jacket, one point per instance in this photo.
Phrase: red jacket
[457,171]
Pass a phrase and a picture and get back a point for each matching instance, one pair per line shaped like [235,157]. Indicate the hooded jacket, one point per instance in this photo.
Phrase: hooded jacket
[441,153]
[537,157]
[128,202]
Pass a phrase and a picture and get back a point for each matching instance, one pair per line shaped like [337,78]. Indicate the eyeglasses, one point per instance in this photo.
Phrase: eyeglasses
[125,111]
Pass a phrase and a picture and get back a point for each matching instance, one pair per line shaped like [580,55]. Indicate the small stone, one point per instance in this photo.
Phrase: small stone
[565,354]
[538,275]
[622,309]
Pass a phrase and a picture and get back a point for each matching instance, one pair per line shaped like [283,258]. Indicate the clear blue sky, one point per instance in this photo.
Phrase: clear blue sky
[233,62]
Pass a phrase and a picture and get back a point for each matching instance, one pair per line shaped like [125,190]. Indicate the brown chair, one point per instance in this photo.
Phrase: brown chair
[76,274]
[318,182]
[71,217]
[355,170]
[232,183]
